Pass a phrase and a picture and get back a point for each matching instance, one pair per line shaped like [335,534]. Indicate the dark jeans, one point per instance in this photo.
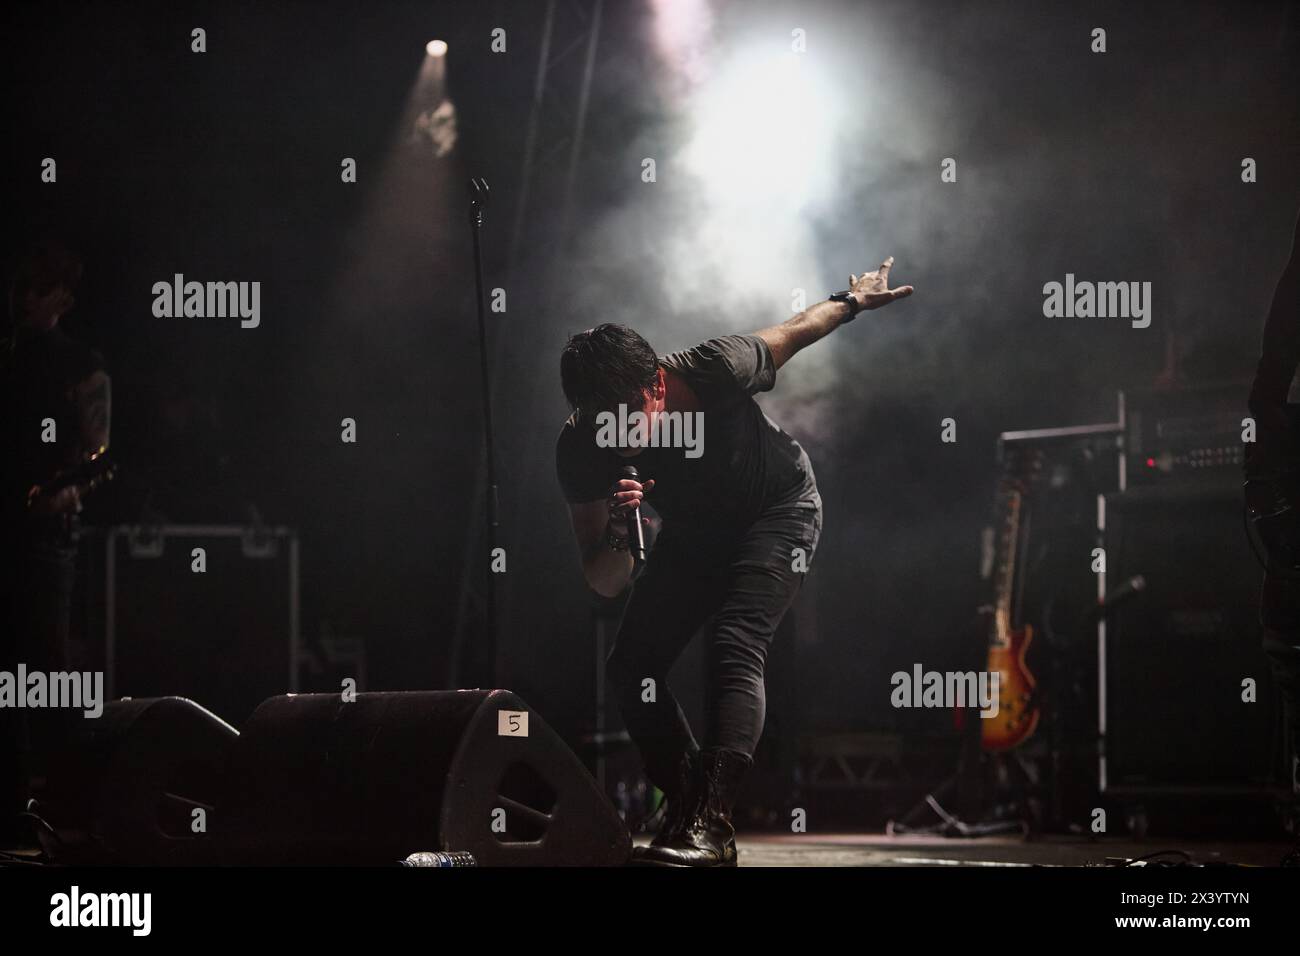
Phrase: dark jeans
[741,585]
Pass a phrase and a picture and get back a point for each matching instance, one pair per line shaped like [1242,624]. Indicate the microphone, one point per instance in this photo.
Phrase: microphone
[1129,589]
[478,199]
[635,530]
[1134,585]
[478,191]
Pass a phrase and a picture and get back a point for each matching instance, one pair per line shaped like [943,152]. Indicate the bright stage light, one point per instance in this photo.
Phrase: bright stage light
[763,133]
[436,48]
[762,154]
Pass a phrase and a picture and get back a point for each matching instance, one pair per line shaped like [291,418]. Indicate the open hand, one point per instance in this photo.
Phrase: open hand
[872,288]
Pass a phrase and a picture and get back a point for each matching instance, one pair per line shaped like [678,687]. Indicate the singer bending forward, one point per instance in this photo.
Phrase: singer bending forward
[741,522]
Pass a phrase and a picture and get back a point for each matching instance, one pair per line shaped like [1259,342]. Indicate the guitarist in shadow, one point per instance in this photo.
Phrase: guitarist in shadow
[54,417]
[1273,491]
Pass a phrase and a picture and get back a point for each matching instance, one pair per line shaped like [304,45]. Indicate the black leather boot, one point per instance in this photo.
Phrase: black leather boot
[706,837]
[680,793]
[680,800]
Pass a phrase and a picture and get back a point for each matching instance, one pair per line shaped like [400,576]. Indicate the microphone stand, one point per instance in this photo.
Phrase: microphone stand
[478,199]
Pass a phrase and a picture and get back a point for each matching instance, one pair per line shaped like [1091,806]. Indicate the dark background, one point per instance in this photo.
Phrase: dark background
[225,166]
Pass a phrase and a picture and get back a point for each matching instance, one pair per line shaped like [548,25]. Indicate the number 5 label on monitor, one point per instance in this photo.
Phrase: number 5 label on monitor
[512,723]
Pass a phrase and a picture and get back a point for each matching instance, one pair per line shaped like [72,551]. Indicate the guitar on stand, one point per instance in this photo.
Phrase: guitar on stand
[1018,710]
[1014,778]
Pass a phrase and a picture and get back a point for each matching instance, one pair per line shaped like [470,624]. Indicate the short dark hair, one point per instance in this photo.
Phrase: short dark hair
[605,367]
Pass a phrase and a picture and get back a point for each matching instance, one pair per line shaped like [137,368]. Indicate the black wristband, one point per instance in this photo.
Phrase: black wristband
[847,298]
[616,542]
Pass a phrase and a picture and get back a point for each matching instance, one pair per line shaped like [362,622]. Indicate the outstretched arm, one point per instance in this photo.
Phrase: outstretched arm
[871,290]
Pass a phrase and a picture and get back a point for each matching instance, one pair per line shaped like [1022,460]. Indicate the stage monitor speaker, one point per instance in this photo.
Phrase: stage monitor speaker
[317,779]
[126,788]
[1176,653]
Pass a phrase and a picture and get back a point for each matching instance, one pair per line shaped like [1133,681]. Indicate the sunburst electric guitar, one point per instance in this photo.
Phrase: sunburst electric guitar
[1018,713]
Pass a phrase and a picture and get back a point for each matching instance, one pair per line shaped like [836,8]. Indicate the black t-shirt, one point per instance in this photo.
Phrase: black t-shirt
[746,464]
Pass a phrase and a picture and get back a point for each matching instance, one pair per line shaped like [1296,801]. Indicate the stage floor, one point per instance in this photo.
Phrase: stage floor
[865,849]
[868,849]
